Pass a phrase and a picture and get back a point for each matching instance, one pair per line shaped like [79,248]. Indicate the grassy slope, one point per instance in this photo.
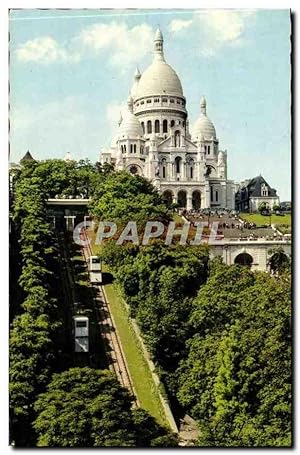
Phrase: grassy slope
[139,371]
[261,219]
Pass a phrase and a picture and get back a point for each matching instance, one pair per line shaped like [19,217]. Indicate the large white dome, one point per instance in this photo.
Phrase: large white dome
[159,79]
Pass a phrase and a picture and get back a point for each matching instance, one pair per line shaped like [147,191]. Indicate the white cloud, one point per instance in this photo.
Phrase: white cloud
[44,50]
[225,25]
[123,44]
[176,25]
[215,28]
[126,45]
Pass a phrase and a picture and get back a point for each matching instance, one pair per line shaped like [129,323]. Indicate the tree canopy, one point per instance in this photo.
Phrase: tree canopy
[83,407]
[236,379]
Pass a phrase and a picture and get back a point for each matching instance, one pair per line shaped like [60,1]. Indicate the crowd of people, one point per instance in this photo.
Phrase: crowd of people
[229,220]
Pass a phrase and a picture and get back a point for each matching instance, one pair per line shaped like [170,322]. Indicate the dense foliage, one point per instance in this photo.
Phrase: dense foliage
[123,197]
[236,380]
[83,407]
[104,416]
[220,336]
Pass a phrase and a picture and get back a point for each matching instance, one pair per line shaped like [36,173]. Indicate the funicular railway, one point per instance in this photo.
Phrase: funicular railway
[117,361]
[106,329]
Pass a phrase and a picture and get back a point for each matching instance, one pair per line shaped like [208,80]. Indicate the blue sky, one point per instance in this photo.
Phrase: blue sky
[71,70]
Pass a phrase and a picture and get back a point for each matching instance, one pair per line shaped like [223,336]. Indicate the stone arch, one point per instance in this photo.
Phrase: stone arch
[182,198]
[167,197]
[196,199]
[278,261]
[244,259]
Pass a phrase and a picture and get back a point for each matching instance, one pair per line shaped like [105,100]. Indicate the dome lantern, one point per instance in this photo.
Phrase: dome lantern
[120,119]
[130,103]
[203,105]
[159,45]
[137,74]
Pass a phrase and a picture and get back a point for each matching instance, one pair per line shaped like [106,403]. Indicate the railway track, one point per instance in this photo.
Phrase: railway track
[115,354]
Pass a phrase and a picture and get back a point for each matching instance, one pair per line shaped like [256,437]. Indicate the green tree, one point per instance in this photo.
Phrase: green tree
[236,379]
[122,197]
[263,207]
[88,408]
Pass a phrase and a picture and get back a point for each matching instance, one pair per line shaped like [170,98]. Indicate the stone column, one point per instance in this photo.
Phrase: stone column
[207,195]
[189,204]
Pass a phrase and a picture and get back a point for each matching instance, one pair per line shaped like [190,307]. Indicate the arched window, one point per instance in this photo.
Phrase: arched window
[124,148]
[143,126]
[191,172]
[156,126]
[211,193]
[149,127]
[217,196]
[177,138]
[163,163]
[165,126]
[131,148]
[134,148]
[172,123]
[177,164]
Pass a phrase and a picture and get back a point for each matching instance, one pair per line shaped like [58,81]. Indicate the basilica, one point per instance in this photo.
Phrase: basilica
[154,140]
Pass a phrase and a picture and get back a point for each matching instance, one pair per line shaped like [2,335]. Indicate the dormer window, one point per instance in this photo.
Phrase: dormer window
[264,190]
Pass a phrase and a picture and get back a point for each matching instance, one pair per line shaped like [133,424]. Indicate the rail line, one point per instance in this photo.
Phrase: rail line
[117,361]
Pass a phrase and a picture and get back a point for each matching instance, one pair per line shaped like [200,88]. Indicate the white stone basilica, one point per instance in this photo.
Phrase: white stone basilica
[153,140]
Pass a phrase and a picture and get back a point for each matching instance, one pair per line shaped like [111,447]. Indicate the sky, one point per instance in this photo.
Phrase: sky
[71,71]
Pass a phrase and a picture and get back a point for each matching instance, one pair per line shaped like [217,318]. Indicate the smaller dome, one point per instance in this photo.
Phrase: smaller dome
[204,127]
[130,125]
